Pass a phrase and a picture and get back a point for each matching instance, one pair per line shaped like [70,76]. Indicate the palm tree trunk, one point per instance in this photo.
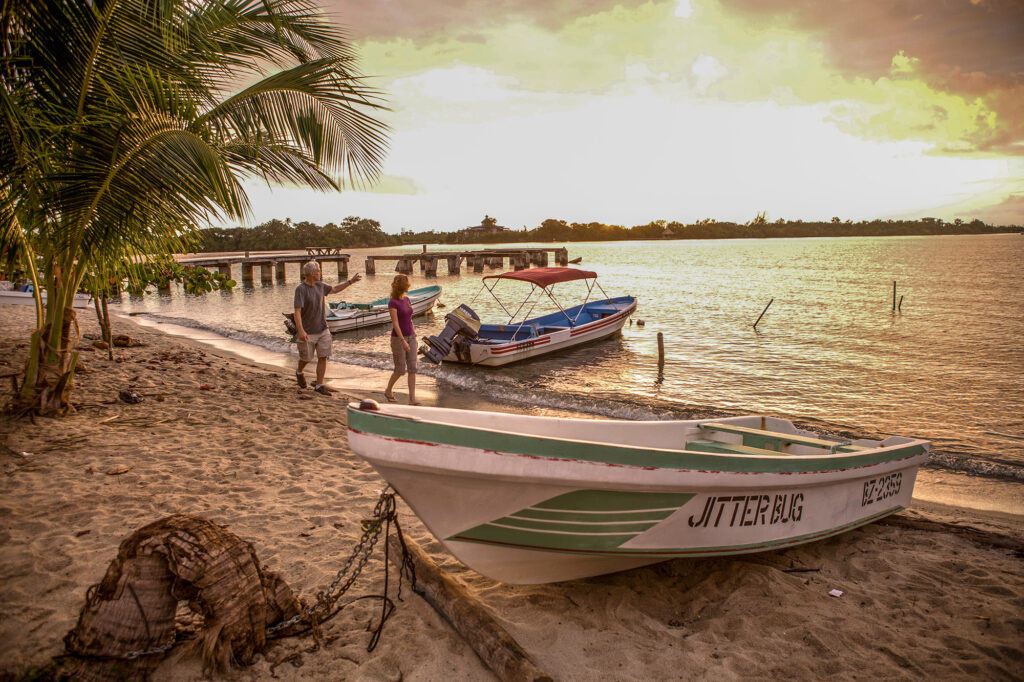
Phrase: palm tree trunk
[50,369]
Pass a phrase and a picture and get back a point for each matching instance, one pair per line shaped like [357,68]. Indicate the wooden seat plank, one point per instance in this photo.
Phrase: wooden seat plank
[762,434]
[731,448]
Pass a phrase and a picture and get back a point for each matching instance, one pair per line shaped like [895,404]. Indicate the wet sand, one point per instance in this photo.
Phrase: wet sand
[226,434]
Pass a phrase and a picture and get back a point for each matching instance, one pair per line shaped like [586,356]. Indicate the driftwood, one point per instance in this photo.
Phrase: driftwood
[128,618]
[491,642]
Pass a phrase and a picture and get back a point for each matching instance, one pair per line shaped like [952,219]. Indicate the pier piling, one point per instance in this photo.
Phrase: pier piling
[894,295]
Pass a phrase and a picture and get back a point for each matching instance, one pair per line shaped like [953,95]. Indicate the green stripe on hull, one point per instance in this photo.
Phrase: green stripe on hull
[563,527]
[605,546]
[538,446]
[577,528]
[621,517]
[611,500]
[543,541]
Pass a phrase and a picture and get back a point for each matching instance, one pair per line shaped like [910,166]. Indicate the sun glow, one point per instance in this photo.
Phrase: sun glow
[628,115]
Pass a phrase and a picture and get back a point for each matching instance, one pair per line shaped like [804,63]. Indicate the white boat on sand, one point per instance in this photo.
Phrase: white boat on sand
[525,499]
[9,297]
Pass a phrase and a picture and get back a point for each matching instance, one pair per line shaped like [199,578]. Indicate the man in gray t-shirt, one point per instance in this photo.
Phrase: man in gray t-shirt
[312,334]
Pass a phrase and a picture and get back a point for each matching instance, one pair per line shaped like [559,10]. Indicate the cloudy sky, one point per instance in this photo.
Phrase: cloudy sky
[623,112]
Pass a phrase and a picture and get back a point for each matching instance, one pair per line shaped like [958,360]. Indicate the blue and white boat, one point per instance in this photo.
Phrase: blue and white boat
[501,344]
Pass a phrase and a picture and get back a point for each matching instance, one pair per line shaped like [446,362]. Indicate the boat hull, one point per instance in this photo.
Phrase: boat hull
[528,508]
[379,314]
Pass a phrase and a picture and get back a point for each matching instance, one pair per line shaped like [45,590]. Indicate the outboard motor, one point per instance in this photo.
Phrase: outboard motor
[462,326]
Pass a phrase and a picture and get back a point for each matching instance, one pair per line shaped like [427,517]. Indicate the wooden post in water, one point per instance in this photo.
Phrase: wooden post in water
[894,295]
[900,306]
[370,267]
[762,313]
[661,353]
[247,272]
[279,273]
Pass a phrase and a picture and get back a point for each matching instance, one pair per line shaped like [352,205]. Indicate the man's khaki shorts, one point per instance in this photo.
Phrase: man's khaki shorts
[320,343]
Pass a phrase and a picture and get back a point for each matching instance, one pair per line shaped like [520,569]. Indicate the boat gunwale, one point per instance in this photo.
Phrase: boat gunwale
[877,456]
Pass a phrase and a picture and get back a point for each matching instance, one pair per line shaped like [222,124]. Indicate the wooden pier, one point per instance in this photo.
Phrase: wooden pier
[272,266]
[519,259]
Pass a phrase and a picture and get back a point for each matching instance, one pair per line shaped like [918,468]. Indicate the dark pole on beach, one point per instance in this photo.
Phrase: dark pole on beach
[762,313]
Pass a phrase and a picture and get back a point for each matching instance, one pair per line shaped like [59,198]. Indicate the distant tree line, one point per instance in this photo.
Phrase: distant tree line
[277,235]
[355,232]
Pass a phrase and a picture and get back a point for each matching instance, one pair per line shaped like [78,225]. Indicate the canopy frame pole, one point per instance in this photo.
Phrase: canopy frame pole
[572,322]
[590,290]
[511,317]
[490,290]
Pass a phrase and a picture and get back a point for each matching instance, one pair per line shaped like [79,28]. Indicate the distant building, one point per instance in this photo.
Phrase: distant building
[487,226]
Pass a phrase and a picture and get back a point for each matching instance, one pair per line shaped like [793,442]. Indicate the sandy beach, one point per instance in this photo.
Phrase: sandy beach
[936,591]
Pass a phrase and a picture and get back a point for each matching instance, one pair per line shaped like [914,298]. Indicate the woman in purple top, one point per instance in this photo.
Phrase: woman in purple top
[403,338]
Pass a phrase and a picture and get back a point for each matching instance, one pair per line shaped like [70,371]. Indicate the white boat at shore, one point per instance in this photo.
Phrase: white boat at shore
[493,345]
[525,499]
[343,317]
[27,298]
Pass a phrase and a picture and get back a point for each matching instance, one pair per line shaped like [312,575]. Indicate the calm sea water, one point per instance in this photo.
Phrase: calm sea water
[829,353]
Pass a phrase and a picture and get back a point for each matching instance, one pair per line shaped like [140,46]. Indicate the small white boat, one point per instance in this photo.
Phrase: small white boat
[27,298]
[524,499]
[494,345]
[343,317]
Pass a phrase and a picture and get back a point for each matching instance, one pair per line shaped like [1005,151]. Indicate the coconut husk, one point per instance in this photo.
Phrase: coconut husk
[180,558]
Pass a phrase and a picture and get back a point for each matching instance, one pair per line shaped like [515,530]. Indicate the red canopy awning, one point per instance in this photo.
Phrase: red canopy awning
[544,277]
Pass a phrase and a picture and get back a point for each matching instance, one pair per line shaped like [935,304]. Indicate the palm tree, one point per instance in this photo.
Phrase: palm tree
[126,125]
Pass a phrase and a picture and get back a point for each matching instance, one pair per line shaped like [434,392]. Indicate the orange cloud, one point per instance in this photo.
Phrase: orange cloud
[969,48]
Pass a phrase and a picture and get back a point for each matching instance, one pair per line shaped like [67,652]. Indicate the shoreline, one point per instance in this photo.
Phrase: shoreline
[934,486]
[255,453]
